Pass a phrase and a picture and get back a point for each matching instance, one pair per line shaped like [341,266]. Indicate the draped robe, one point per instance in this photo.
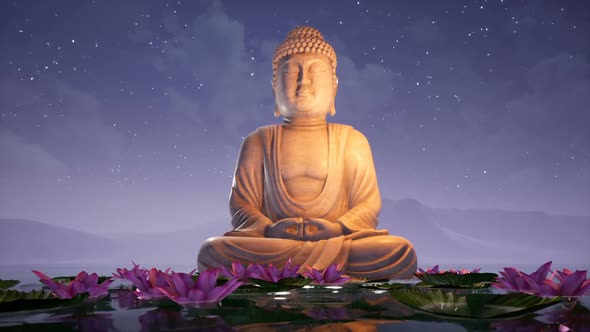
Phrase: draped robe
[349,196]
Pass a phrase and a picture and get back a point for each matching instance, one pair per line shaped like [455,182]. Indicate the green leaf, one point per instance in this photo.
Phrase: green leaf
[67,279]
[295,282]
[249,289]
[387,286]
[476,305]
[281,285]
[11,300]
[5,284]
[12,295]
[453,280]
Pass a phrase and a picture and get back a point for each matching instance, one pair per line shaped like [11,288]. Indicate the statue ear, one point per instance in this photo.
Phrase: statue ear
[274,94]
[333,108]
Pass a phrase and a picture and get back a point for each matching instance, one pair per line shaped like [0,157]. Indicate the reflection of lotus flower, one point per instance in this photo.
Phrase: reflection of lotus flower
[125,298]
[84,323]
[339,313]
[161,319]
[435,270]
[330,275]
[83,283]
[238,271]
[272,274]
[183,289]
[145,281]
[569,283]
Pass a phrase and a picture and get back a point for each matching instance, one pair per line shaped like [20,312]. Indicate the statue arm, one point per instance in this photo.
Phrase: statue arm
[364,199]
[247,190]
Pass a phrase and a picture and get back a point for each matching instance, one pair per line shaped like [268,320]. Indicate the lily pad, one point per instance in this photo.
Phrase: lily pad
[66,279]
[11,300]
[281,285]
[5,284]
[12,295]
[477,305]
[454,280]
[387,286]
[249,289]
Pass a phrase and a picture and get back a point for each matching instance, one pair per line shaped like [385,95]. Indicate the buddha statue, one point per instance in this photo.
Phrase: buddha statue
[306,189]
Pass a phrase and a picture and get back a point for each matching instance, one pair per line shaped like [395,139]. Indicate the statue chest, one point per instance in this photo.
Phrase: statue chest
[304,163]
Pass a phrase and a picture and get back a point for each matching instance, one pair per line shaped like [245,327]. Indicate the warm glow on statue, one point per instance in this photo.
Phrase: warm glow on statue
[306,189]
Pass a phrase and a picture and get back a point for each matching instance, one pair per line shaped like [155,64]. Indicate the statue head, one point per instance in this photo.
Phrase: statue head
[304,75]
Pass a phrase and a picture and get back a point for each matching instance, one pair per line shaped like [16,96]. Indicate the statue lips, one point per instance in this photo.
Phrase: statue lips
[304,93]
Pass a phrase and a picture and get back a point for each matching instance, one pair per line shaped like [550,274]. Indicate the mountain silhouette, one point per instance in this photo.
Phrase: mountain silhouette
[440,236]
[487,235]
[26,241]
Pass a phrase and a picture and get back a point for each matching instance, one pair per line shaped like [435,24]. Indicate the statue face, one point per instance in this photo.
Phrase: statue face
[304,87]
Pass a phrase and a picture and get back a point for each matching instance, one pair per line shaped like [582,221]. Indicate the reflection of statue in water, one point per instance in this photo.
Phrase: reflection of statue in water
[307,189]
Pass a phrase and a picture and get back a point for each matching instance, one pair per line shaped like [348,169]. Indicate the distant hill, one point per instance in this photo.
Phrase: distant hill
[174,247]
[32,242]
[25,241]
[487,235]
[440,236]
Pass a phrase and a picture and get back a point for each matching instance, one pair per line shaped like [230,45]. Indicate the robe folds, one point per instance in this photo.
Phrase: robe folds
[350,196]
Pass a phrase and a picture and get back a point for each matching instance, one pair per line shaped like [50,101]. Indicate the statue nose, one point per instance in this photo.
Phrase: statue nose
[303,78]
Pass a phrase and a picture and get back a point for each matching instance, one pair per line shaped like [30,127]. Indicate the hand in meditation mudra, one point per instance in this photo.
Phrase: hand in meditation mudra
[306,189]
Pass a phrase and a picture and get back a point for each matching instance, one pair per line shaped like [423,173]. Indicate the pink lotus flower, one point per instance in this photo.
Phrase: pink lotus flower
[464,271]
[559,283]
[183,289]
[332,275]
[238,271]
[435,270]
[83,283]
[432,270]
[272,274]
[570,283]
[145,281]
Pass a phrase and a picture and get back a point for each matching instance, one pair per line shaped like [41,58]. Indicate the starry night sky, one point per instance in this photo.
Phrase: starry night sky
[128,115]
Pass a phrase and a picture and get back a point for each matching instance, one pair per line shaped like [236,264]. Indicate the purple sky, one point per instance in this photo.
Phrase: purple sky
[128,115]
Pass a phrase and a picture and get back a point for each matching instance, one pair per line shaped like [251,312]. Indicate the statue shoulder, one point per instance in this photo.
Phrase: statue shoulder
[356,138]
[255,141]
[252,143]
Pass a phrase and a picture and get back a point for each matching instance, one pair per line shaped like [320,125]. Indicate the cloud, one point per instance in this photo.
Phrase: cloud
[551,117]
[236,89]
[363,91]
[20,158]
[71,134]
[230,87]
[424,33]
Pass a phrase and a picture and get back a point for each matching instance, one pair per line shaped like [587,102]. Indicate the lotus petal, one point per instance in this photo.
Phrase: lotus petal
[91,280]
[572,284]
[207,280]
[169,291]
[178,283]
[60,290]
[220,292]
[100,291]
[541,273]
[155,279]
[196,295]
[585,288]
[289,271]
[77,287]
